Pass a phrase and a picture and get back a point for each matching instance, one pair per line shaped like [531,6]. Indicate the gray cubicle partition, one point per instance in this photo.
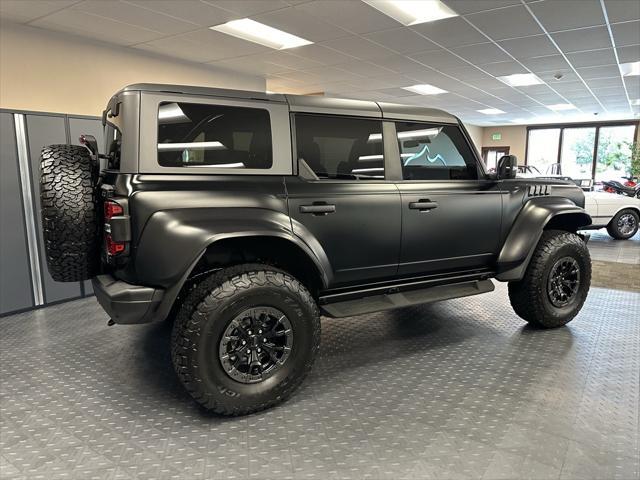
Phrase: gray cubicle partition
[24,279]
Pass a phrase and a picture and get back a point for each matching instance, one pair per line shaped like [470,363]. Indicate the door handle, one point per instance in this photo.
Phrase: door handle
[318,209]
[423,205]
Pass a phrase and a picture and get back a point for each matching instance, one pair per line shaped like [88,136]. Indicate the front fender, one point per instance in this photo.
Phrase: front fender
[527,229]
[174,240]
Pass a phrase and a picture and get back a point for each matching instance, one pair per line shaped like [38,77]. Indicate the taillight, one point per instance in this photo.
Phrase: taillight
[112,209]
[113,246]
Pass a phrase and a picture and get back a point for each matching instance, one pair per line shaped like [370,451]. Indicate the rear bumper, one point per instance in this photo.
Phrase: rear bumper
[126,303]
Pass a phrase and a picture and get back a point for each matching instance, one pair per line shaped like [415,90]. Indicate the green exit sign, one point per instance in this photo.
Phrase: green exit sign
[496,136]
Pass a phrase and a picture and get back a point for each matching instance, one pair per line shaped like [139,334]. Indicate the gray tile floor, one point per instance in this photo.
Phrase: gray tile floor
[604,248]
[460,389]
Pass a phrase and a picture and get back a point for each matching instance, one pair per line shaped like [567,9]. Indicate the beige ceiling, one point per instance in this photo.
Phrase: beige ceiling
[359,52]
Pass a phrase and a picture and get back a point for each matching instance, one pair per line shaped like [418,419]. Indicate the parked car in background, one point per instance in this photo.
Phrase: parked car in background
[529,171]
[620,214]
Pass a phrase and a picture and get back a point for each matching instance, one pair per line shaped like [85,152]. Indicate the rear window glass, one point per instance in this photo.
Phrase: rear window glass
[217,136]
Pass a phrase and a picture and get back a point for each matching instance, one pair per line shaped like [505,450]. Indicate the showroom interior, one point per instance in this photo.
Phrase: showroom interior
[453,389]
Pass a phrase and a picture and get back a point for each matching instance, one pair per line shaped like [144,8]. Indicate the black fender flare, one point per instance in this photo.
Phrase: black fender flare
[173,241]
[527,229]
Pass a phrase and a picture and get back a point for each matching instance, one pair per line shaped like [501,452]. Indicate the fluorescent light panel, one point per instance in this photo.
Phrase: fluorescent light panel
[520,79]
[559,107]
[171,147]
[412,12]
[630,69]
[257,32]
[425,89]
[491,111]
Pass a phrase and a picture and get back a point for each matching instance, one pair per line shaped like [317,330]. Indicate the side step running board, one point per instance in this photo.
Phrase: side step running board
[376,303]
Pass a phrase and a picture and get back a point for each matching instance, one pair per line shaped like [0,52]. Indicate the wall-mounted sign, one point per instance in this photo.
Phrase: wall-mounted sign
[496,136]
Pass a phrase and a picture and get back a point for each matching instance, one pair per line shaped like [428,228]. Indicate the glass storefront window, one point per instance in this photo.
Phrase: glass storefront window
[614,152]
[576,158]
[543,148]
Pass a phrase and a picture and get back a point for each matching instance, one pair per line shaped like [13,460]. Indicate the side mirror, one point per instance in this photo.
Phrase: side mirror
[507,167]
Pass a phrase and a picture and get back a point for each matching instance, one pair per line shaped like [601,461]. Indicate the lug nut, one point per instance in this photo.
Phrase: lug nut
[259,331]
[249,332]
[244,342]
[264,340]
[258,350]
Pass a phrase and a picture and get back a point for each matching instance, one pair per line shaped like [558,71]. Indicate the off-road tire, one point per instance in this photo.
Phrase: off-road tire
[69,211]
[529,296]
[206,311]
[612,227]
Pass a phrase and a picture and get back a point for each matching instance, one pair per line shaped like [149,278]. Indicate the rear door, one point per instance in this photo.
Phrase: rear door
[344,202]
[451,212]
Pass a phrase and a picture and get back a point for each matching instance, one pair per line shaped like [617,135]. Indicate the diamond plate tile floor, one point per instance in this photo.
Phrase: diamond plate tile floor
[458,389]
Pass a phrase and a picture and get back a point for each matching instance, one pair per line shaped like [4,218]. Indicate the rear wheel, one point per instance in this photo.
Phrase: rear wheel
[70,216]
[624,224]
[245,338]
[556,282]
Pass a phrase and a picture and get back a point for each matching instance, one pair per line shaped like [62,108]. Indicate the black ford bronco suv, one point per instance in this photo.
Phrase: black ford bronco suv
[244,216]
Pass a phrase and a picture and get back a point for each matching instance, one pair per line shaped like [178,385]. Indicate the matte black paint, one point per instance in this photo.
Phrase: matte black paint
[356,233]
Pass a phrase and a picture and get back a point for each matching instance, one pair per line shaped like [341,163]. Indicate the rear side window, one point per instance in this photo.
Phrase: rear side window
[340,147]
[434,152]
[217,136]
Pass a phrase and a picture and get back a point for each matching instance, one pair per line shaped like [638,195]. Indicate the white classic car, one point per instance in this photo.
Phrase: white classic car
[619,213]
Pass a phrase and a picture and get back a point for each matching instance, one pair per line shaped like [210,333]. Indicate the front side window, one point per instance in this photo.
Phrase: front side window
[217,136]
[340,147]
[434,152]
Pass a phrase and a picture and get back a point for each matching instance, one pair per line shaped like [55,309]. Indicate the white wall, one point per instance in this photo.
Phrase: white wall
[54,72]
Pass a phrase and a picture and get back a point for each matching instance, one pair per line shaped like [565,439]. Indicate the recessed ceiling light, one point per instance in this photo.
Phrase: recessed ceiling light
[257,32]
[520,79]
[491,111]
[630,69]
[557,107]
[519,120]
[635,102]
[412,12]
[425,89]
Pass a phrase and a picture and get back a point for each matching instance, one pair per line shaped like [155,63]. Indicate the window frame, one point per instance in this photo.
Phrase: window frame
[563,126]
[482,174]
[294,147]
[280,135]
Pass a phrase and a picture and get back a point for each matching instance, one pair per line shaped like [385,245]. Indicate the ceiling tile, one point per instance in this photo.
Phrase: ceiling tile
[481,53]
[23,11]
[133,15]
[203,46]
[633,86]
[546,63]
[570,87]
[440,32]
[568,14]
[299,23]
[503,68]
[630,53]
[247,8]
[527,47]
[463,7]
[194,11]
[627,33]
[402,40]
[567,76]
[511,22]
[358,47]
[357,17]
[471,74]
[399,63]
[622,11]
[597,83]
[440,59]
[592,58]
[397,92]
[364,68]
[253,64]
[592,38]
[81,23]
[321,54]
[606,71]
[333,74]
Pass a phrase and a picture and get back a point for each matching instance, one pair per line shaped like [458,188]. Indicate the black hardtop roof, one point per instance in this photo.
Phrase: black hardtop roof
[306,102]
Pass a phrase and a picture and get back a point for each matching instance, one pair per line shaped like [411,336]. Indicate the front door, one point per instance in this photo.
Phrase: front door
[491,155]
[451,214]
[346,205]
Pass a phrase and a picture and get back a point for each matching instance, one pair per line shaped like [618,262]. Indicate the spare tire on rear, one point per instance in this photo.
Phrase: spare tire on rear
[70,215]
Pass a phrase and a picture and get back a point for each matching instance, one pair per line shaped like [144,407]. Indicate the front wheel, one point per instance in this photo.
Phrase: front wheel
[245,338]
[556,282]
[624,224]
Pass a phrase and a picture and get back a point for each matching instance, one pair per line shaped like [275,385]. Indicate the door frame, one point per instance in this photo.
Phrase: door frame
[485,150]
